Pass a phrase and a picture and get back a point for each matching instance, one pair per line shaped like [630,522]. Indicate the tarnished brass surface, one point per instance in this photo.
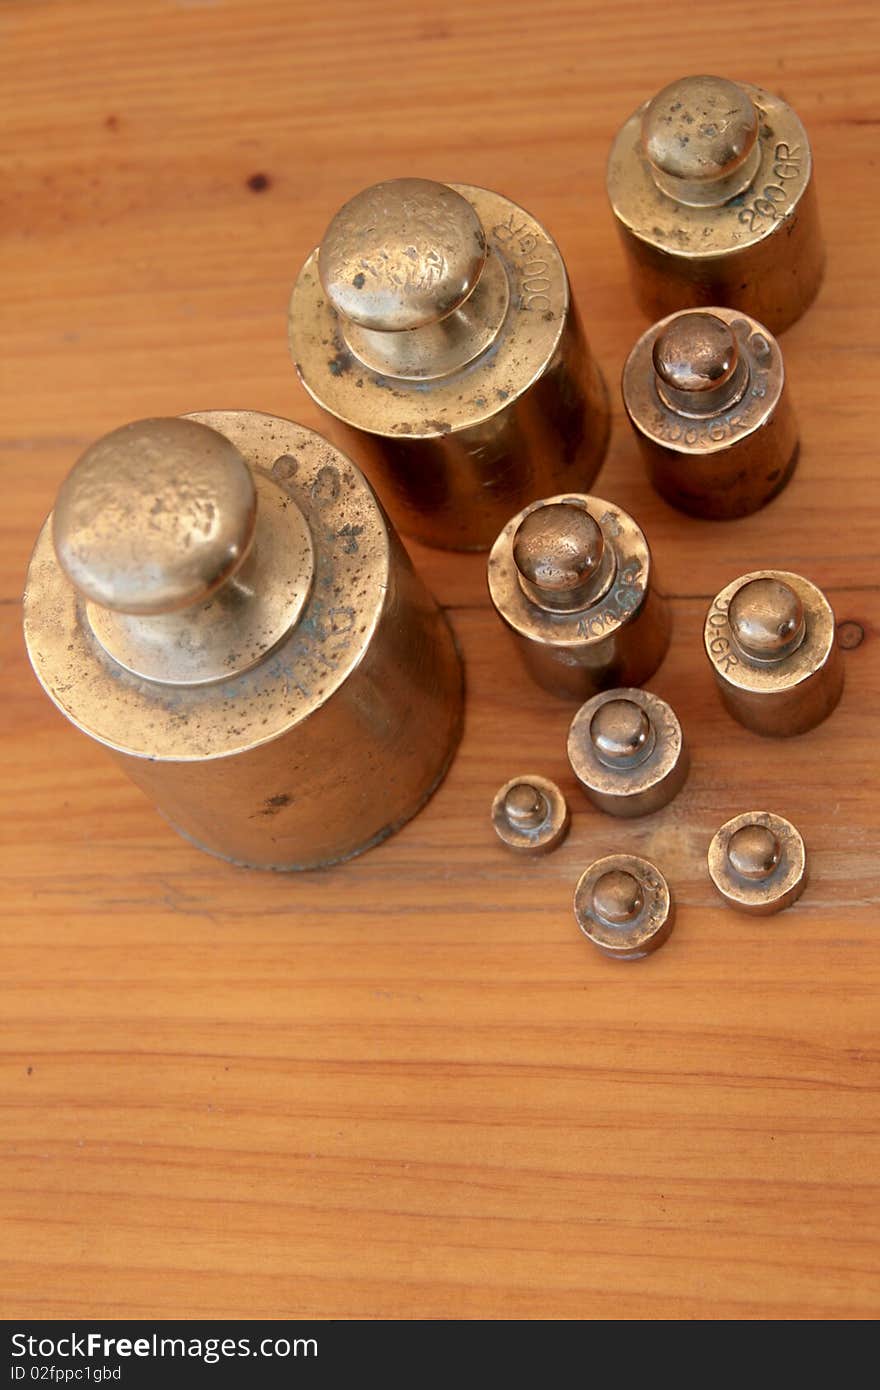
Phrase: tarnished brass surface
[402,255]
[572,578]
[435,326]
[627,751]
[705,393]
[711,186]
[307,699]
[186,579]
[758,862]
[155,516]
[530,814]
[700,137]
[770,637]
[623,905]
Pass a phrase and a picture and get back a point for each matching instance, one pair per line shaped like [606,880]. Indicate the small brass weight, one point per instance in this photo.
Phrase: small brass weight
[758,862]
[706,396]
[219,600]
[435,326]
[572,578]
[770,637]
[711,186]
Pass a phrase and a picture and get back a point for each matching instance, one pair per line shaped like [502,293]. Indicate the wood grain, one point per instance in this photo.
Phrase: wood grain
[408,1087]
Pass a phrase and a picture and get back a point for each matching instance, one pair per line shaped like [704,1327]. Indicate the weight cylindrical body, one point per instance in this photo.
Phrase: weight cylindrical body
[460,415]
[706,396]
[711,186]
[572,577]
[309,751]
[770,637]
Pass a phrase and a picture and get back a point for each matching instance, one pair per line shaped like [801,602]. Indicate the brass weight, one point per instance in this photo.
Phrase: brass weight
[711,186]
[622,904]
[706,396]
[627,751]
[219,600]
[435,326]
[530,815]
[758,862]
[770,637]
[572,577]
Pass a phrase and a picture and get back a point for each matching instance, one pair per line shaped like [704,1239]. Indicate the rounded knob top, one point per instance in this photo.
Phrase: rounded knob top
[620,731]
[695,352]
[402,255]
[525,806]
[699,128]
[753,851]
[617,897]
[766,619]
[155,516]
[558,547]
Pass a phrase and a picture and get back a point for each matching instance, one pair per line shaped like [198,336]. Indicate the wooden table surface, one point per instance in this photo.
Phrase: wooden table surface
[408,1087]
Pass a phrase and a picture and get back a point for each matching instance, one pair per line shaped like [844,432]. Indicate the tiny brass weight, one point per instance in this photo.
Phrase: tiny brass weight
[530,814]
[572,577]
[711,186]
[627,751]
[435,326]
[623,905]
[706,396]
[758,863]
[770,637]
[219,600]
